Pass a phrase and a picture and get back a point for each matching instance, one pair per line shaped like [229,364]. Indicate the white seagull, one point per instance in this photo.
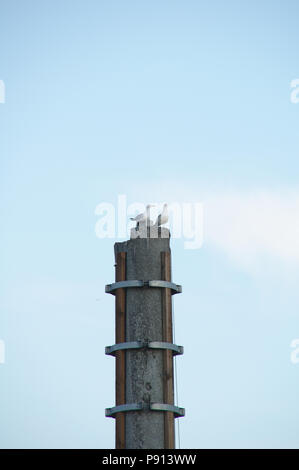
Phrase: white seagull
[163,217]
[144,217]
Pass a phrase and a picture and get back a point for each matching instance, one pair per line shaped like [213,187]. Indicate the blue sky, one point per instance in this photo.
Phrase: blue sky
[160,101]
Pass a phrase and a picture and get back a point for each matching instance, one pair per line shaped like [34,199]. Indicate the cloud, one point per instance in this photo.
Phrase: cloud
[257,228]
[253,226]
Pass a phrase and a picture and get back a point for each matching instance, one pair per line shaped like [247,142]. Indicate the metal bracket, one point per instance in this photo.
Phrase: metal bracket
[177,350]
[110,412]
[111,288]
[177,411]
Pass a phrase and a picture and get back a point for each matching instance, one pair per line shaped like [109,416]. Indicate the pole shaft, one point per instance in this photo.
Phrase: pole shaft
[143,314]
[144,322]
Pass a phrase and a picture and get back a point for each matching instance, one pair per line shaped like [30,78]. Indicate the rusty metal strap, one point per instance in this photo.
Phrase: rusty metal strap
[111,288]
[177,350]
[177,411]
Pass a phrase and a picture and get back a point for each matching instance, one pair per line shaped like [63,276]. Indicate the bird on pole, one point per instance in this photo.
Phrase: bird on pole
[143,218]
[163,217]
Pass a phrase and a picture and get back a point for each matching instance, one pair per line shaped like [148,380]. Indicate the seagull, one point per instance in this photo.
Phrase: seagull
[163,217]
[144,217]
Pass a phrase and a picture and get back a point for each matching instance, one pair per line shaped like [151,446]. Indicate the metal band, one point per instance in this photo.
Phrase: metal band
[110,412]
[176,288]
[178,412]
[111,288]
[177,350]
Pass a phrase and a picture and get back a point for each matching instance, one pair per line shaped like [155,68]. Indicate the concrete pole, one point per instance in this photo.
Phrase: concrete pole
[144,375]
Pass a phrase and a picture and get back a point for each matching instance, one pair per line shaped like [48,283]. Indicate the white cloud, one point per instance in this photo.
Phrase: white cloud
[258,229]
[254,225]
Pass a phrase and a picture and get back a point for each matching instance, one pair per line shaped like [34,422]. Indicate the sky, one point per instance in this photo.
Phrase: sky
[160,101]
